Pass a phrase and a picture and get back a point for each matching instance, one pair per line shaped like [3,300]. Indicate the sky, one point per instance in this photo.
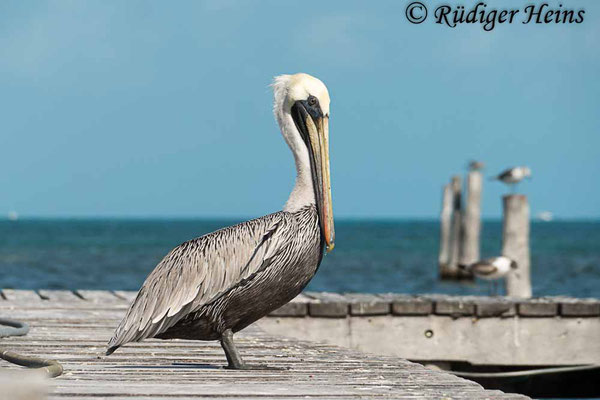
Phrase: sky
[163,109]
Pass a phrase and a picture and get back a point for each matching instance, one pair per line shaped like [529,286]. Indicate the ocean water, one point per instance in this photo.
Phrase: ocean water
[370,256]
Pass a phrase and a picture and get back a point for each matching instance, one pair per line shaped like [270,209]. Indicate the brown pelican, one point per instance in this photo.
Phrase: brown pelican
[213,286]
[493,269]
[513,176]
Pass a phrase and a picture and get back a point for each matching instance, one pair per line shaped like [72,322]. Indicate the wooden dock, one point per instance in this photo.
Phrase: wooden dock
[74,327]
[431,328]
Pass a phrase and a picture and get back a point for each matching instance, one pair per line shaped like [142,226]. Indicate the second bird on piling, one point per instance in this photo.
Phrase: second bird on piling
[493,269]
[513,176]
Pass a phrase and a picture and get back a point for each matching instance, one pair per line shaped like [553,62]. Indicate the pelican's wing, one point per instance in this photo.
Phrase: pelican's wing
[197,271]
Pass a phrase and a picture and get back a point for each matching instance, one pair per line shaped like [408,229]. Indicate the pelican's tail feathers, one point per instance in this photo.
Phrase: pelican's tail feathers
[111,350]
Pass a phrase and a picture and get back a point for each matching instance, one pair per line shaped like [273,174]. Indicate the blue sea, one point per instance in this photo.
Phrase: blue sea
[369,256]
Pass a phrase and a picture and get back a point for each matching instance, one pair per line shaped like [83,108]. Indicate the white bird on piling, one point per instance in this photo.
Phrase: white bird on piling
[493,269]
[513,176]
[475,165]
[210,287]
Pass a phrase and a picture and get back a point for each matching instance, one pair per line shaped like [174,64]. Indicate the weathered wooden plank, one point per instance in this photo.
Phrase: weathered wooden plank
[66,314]
[538,308]
[453,306]
[126,295]
[232,388]
[157,397]
[352,304]
[237,397]
[495,307]
[367,304]
[64,296]
[408,305]
[15,295]
[579,307]
[99,296]
[291,310]
[328,305]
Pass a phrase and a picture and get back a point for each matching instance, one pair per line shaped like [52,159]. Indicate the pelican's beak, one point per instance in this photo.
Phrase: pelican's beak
[314,128]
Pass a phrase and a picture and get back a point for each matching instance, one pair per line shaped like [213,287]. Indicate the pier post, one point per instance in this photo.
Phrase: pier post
[469,252]
[515,244]
[445,222]
[455,231]
[452,271]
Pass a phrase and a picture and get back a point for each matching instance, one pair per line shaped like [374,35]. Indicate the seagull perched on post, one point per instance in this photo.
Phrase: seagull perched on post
[513,176]
[493,269]
[475,165]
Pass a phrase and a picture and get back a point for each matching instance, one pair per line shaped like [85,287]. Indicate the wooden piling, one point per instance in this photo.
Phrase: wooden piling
[456,228]
[451,270]
[515,244]
[469,252]
[445,222]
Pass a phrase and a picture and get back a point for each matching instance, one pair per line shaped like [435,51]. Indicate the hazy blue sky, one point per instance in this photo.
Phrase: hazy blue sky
[114,108]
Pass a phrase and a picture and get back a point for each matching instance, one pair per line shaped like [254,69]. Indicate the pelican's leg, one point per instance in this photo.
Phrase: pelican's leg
[234,359]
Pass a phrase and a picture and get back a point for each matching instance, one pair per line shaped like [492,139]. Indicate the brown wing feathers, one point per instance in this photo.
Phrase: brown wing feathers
[194,273]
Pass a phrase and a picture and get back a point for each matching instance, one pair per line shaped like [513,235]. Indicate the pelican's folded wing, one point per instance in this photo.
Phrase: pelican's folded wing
[197,271]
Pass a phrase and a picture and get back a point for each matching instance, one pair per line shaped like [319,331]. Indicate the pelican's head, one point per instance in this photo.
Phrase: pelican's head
[302,111]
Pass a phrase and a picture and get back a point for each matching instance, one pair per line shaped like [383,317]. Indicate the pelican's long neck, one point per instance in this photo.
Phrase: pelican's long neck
[303,193]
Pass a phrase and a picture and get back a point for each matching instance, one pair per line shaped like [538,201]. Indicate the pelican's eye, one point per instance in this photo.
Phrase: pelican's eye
[311,104]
